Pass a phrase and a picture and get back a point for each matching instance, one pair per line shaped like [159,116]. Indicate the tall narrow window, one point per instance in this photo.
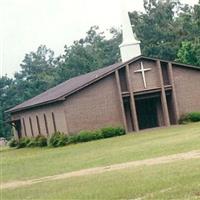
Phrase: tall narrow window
[46,124]
[54,122]
[31,126]
[38,125]
[24,127]
[165,74]
[122,78]
[18,128]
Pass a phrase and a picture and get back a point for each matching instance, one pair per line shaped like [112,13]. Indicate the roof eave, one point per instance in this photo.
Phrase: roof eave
[32,106]
[174,63]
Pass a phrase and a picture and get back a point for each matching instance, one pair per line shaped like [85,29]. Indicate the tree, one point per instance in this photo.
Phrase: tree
[155,28]
[164,26]
[189,53]
[37,74]
[5,83]
[89,53]
[189,26]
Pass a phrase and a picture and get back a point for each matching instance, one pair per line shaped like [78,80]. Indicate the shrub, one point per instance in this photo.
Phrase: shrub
[13,142]
[32,143]
[40,141]
[112,132]
[190,117]
[73,139]
[98,135]
[86,136]
[58,139]
[23,142]
[120,131]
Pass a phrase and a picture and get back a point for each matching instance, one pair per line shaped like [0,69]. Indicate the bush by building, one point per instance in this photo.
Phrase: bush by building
[86,136]
[40,141]
[13,142]
[59,139]
[112,132]
[190,117]
[23,142]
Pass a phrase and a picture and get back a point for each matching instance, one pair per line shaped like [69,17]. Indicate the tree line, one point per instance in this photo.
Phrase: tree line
[167,30]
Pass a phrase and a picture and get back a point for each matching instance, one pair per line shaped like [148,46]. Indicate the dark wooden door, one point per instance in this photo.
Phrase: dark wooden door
[147,113]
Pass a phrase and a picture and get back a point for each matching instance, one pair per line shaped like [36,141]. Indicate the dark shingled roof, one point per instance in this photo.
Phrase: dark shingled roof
[64,89]
[72,85]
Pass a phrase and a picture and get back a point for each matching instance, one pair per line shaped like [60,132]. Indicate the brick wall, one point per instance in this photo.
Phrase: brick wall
[91,108]
[94,107]
[152,76]
[58,111]
[187,85]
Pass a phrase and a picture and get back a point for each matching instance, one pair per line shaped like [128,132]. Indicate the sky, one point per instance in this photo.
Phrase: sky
[26,24]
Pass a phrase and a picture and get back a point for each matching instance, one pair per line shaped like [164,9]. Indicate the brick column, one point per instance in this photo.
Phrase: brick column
[121,100]
[163,96]
[174,99]
[132,100]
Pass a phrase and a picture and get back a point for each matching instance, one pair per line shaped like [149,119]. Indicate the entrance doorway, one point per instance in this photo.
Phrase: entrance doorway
[18,128]
[148,112]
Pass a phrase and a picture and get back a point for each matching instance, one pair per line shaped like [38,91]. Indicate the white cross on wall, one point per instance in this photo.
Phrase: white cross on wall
[143,70]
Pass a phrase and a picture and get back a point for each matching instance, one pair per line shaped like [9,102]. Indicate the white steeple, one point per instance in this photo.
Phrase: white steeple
[130,47]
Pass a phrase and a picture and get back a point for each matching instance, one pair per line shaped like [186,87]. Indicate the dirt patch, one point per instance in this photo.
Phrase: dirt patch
[99,170]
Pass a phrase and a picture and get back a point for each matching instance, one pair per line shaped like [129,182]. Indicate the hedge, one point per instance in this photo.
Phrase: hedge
[59,139]
[190,117]
[112,132]
[39,141]
[86,136]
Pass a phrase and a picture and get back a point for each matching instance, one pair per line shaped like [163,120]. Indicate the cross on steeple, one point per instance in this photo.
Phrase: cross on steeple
[143,70]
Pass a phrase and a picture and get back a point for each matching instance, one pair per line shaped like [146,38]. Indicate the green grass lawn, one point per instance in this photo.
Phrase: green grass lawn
[176,180]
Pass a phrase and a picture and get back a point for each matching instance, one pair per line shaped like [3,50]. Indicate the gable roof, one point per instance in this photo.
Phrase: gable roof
[61,91]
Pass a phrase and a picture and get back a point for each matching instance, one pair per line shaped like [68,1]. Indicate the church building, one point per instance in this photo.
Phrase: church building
[138,93]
